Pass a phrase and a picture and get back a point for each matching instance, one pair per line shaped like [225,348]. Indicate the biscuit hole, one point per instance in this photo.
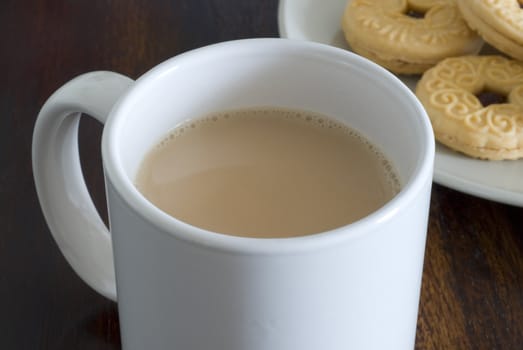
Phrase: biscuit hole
[415,13]
[488,97]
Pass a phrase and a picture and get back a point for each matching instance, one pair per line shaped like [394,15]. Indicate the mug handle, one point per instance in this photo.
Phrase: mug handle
[66,204]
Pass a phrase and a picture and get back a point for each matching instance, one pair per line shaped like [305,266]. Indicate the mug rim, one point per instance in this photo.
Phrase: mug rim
[116,175]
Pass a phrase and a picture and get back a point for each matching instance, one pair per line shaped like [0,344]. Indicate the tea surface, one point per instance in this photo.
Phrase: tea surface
[266,172]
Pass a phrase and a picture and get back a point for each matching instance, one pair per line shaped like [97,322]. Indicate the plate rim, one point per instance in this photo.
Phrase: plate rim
[479,190]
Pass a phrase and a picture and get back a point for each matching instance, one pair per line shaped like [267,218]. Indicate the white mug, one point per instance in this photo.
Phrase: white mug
[181,287]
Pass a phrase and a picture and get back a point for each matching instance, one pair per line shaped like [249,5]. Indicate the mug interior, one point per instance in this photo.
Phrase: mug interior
[267,72]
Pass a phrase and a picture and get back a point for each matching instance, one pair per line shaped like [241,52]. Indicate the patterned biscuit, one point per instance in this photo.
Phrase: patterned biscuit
[499,22]
[449,93]
[382,30]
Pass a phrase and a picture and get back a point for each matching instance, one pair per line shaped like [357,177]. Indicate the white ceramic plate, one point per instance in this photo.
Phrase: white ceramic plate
[500,181]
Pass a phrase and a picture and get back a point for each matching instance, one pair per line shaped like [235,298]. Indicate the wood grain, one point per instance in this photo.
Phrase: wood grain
[472,294]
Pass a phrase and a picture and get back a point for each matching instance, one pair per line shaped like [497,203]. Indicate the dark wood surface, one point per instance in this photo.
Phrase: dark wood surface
[472,295]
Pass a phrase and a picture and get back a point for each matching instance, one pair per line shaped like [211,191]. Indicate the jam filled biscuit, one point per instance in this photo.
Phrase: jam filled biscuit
[499,22]
[408,36]
[475,104]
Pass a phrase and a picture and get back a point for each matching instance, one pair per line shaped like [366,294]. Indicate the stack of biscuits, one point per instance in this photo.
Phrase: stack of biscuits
[475,102]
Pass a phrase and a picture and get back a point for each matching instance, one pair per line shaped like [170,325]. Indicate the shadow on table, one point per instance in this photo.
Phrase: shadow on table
[98,331]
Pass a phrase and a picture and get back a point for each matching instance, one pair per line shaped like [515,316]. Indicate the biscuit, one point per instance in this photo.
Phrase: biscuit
[450,94]
[386,32]
[499,22]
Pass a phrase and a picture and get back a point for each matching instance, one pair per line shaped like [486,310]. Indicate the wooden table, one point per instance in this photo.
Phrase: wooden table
[472,296]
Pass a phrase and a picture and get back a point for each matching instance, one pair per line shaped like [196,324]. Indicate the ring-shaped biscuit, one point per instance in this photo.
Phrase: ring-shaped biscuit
[408,36]
[499,22]
[449,92]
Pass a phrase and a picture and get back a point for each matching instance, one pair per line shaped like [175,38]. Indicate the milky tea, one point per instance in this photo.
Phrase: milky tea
[266,172]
